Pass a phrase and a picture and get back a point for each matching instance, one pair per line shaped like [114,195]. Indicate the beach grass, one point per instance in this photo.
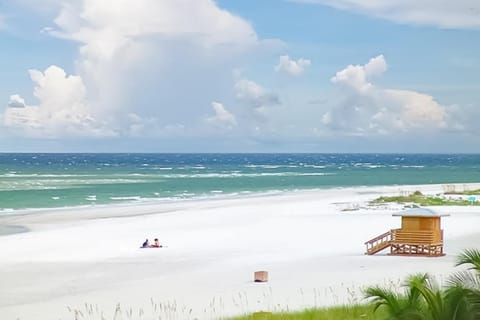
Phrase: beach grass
[353,312]
[422,298]
[420,199]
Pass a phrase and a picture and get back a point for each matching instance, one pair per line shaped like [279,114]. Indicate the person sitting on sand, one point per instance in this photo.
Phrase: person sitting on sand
[145,244]
[156,244]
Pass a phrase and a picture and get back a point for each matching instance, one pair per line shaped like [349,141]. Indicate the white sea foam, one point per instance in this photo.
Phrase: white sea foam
[136,198]
[249,175]
[36,175]
[314,166]
[187,194]
[24,187]
[266,166]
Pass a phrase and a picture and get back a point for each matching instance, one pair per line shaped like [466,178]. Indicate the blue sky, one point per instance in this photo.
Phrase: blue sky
[239,76]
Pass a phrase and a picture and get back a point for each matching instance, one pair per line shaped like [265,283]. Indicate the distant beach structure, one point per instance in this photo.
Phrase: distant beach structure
[420,235]
[472,199]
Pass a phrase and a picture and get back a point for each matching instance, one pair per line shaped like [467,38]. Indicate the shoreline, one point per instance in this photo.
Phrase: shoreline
[11,229]
[154,202]
[226,196]
[313,250]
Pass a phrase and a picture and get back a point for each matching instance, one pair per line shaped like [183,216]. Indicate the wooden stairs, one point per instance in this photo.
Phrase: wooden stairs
[379,243]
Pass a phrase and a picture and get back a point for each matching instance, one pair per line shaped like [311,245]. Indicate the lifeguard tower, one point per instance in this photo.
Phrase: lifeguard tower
[420,235]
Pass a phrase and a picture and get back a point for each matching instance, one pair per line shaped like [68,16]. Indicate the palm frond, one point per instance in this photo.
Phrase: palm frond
[470,257]
[466,279]
[430,293]
[383,297]
[412,284]
[474,299]
[457,305]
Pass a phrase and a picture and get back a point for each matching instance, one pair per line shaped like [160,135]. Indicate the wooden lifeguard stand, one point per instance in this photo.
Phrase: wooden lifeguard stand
[420,235]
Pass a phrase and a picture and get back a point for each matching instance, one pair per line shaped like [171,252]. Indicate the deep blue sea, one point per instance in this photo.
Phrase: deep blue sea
[65,180]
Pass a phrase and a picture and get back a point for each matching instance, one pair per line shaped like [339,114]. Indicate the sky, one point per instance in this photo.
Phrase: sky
[355,76]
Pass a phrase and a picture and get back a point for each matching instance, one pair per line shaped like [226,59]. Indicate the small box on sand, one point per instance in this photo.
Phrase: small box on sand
[261,276]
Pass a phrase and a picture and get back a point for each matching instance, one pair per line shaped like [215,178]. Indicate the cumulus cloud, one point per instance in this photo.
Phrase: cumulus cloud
[103,30]
[417,109]
[112,40]
[356,77]
[292,67]
[222,117]
[16,102]
[369,109]
[62,109]
[255,95]
[440,13]
[137,60]
[257,102]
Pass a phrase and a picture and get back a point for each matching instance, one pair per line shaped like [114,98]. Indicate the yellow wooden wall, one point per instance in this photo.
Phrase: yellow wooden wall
[418,224]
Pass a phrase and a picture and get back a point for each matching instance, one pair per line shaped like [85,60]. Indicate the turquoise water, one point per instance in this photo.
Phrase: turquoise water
[65,180]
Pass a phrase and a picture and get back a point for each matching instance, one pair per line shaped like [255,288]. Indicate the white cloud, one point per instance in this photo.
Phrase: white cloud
[417,109]
[440,13]
[292,67]
[105,34]
[257,100]
[147,35]
[369,109]
[201,20]
[140,57]
[16,102]
[139,126]
[222,118]
[62,109]
[356,77]
[254,94]
[114,42]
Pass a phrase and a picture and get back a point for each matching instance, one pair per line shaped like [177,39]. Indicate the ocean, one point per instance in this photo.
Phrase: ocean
[33,181]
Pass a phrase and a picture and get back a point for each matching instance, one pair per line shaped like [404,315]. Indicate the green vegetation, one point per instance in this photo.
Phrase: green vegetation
[354,312]
[422,299]
[420,199]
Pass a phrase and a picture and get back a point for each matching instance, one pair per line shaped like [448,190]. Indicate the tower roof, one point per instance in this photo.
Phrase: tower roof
[419,212]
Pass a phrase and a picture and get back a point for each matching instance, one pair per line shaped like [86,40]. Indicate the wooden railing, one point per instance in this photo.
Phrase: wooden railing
[379,243]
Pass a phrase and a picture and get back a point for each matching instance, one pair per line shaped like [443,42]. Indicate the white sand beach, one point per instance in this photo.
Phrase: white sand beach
[310,242]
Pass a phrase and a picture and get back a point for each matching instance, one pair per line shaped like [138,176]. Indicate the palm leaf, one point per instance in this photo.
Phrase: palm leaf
[383,297]
[465,279]
[457,304]
[430,292]
[470,257]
